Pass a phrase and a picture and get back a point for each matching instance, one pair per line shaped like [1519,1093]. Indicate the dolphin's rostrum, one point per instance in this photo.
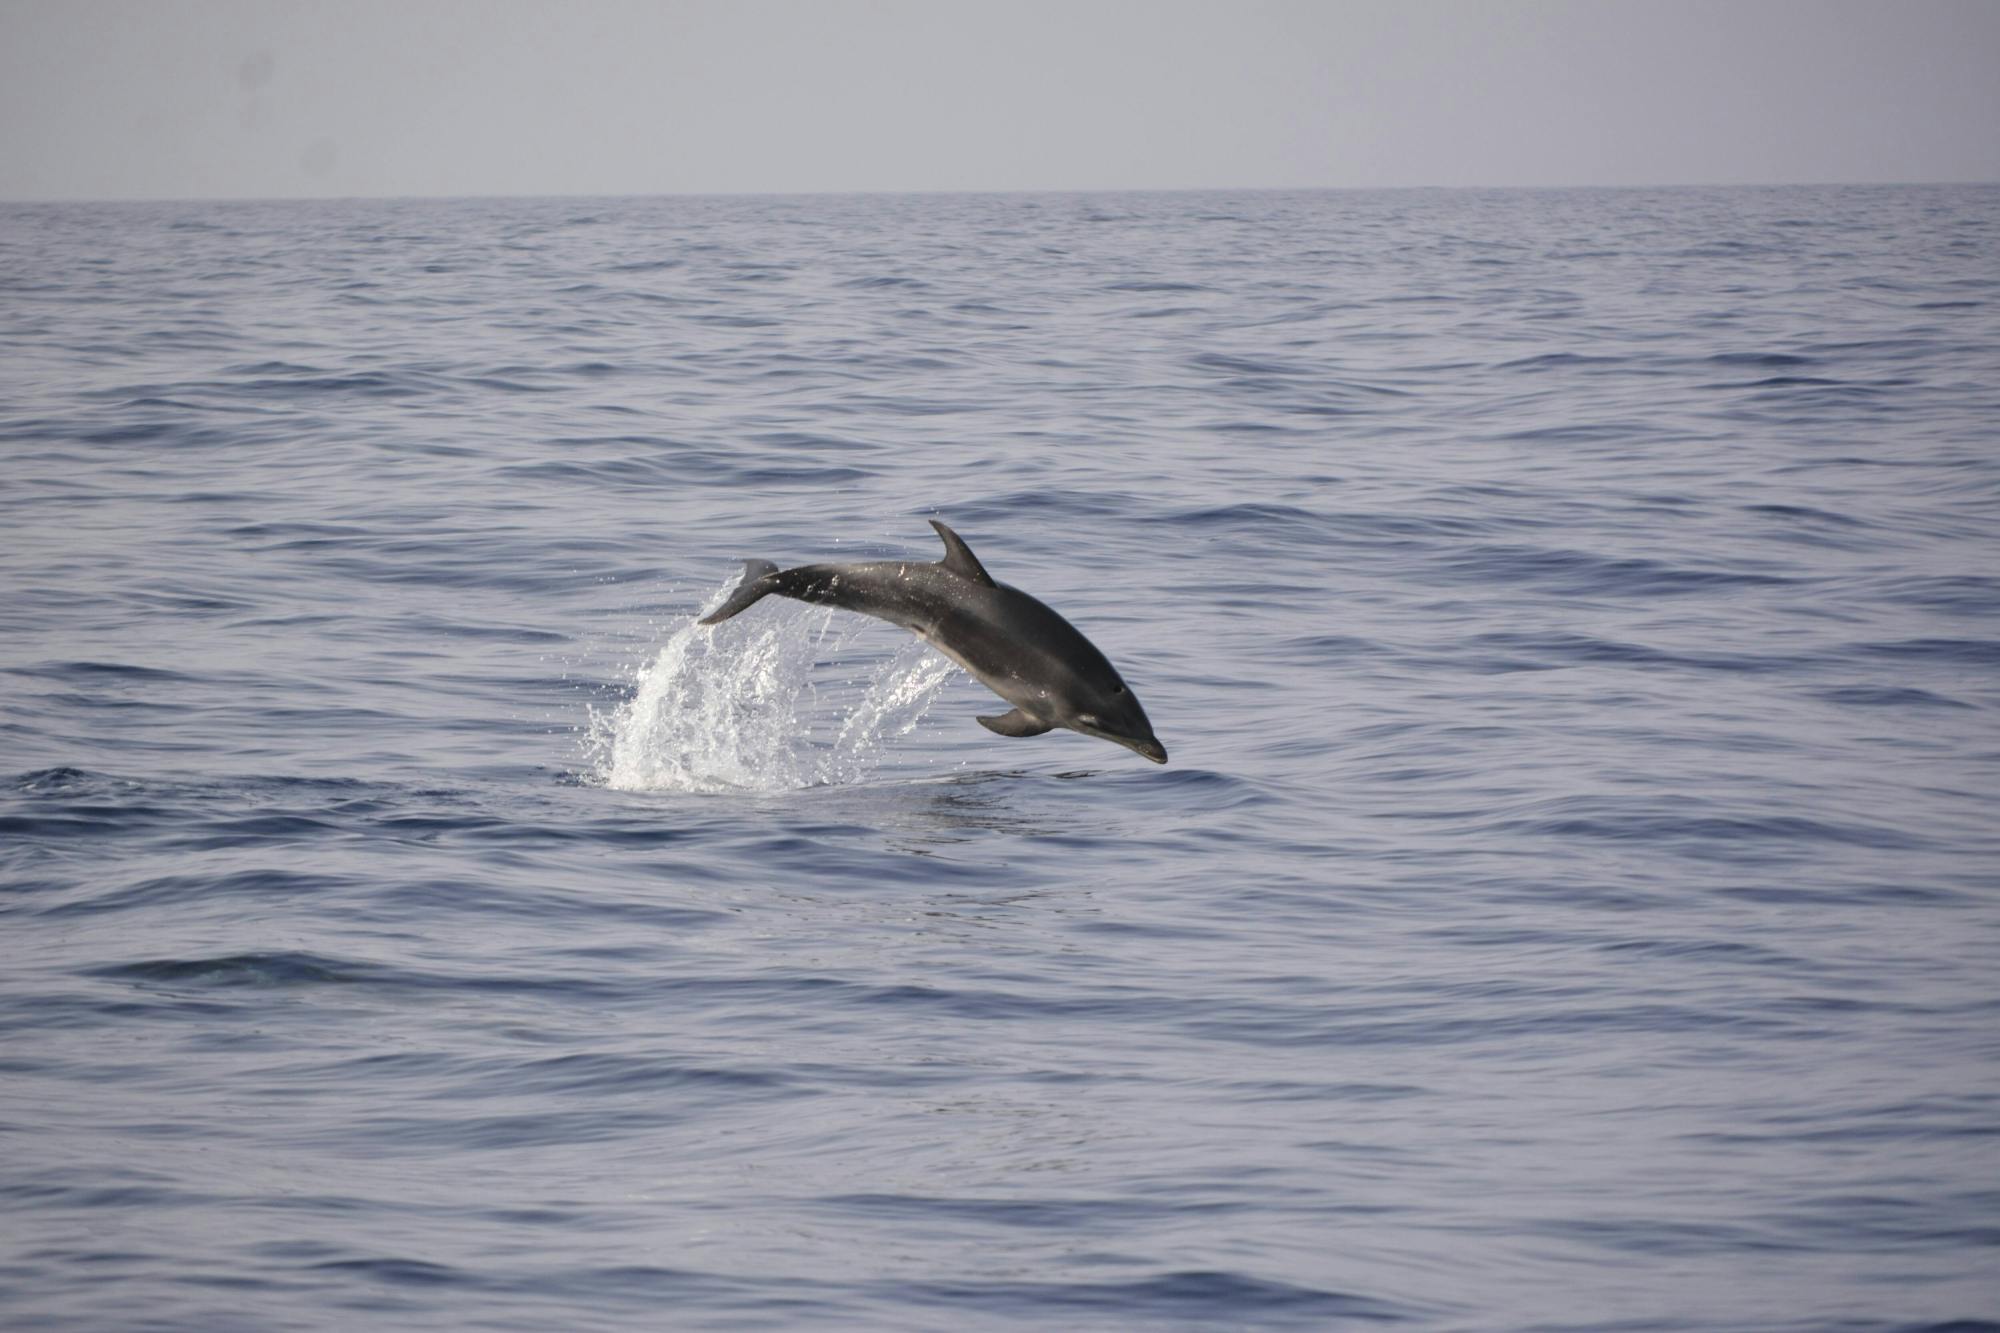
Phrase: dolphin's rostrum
[1017,647]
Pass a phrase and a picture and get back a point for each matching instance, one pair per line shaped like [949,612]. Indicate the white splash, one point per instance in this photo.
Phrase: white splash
[764,703]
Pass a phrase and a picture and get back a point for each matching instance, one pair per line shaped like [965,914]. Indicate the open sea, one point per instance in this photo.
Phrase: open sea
[1573,902]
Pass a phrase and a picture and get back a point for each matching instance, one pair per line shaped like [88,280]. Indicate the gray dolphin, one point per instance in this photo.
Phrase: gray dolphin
[1017,647]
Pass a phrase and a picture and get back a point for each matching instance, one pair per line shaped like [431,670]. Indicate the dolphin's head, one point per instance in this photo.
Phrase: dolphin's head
[1113,713]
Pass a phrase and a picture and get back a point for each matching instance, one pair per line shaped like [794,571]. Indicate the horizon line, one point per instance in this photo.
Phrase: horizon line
[865,192]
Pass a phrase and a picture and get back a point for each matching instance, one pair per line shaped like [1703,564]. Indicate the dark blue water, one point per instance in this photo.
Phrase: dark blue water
[1574,901]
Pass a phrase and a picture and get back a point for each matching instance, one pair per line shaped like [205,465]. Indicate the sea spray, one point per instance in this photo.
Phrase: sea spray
[774,702]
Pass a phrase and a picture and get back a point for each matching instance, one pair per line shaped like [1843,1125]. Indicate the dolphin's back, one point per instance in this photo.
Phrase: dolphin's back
[990,629]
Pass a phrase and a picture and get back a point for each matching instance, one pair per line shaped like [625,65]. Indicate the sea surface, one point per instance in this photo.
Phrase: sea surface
[1573,902]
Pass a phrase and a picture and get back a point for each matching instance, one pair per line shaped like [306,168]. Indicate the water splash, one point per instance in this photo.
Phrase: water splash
[772,701]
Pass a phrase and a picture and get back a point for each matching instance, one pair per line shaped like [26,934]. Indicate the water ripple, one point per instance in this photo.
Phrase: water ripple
[1571,904]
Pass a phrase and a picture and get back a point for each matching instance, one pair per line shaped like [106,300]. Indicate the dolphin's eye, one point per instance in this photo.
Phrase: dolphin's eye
[1118,689]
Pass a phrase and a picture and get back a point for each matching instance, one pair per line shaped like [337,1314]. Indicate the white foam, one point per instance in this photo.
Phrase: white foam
[770,701]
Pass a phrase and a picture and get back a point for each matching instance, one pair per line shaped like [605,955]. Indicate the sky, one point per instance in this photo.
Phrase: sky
[191,99]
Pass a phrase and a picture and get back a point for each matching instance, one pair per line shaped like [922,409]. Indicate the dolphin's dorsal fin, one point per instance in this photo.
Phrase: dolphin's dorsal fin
[958,557]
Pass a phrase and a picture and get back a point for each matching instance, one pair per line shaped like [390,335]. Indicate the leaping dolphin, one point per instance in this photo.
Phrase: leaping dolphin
[1017,647]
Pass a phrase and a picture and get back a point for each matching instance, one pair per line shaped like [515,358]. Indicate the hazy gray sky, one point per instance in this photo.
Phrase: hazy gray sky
[219,98]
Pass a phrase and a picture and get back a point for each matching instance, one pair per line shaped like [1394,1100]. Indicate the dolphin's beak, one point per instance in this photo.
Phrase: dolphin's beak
[1149,747]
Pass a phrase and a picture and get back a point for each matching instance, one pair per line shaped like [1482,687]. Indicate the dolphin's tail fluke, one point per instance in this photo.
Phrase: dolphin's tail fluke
[757,582]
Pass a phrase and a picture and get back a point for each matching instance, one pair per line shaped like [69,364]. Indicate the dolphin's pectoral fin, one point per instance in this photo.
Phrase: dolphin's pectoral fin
[958,557]
[1016,723]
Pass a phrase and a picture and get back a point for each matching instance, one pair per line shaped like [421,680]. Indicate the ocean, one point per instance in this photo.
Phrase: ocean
[1573,902]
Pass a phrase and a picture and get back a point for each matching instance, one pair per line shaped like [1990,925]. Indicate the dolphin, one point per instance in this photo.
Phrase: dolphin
[1016,646]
